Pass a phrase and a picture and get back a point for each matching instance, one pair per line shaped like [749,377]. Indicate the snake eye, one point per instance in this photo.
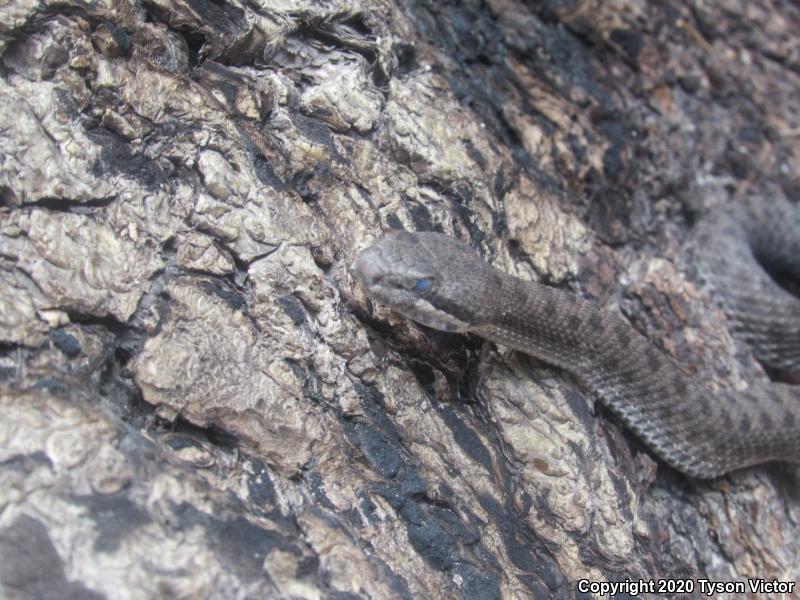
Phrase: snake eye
[423,285]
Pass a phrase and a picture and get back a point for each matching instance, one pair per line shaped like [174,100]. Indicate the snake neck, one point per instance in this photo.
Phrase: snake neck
[668,409]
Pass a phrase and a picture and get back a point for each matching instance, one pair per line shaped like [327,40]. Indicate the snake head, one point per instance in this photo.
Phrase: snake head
[421,276]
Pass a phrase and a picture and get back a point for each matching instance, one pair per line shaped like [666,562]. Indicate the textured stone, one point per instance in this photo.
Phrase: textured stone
[196,399]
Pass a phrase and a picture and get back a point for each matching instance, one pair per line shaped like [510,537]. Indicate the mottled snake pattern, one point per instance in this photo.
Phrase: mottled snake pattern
[442,283]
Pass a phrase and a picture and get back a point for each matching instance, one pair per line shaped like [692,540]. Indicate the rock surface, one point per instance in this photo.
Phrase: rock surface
[196,399]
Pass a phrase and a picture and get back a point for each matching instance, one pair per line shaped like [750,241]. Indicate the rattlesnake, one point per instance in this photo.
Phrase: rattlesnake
[442,283]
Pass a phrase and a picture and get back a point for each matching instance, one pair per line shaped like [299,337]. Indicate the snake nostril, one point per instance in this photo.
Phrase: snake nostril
[366,268]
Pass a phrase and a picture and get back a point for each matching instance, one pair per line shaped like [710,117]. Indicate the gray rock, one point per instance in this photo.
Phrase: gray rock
[196,399]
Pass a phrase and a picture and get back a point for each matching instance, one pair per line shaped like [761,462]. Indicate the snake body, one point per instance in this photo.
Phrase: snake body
[442,283]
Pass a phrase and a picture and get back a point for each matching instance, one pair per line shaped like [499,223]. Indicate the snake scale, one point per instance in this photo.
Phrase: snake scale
[442,283]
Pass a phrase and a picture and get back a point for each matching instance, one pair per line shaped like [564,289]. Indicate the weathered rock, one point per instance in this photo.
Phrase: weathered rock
[198,402]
